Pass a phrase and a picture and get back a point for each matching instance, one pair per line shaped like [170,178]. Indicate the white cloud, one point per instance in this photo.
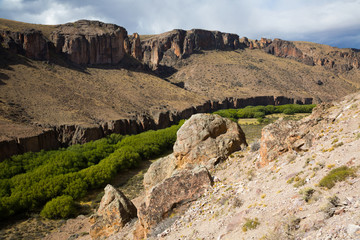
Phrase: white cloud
[296,19]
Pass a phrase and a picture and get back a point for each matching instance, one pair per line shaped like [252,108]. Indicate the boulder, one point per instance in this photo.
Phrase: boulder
[207,136]
[182,186]
[158,171]
[114,212]
[273,140]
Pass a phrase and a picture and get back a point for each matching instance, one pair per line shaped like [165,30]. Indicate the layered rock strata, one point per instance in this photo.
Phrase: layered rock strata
[30,43]
[165,49]
[90,42]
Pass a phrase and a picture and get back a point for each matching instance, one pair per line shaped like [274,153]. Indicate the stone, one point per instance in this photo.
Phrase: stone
[184,185]
[207,136]
[90,42]
[353,229]
[273,140]
[114,212]
[167,48]
[30,43]
[158,171]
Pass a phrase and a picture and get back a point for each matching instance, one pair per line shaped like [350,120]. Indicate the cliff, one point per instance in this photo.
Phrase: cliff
[90,42]
[30,43]
[165,49]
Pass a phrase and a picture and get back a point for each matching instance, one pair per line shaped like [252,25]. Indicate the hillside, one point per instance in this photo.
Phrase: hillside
[76,82]
[300,181]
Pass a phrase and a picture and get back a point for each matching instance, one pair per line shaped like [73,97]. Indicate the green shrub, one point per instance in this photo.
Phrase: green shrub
[35,178]
[259,112]
[289,111]
[60,207]
[250,224]
[336,175]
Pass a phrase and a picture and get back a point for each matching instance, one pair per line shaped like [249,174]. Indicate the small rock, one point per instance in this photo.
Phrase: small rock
[353,229]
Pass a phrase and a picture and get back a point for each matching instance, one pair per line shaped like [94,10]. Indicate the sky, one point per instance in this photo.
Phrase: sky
[332,22]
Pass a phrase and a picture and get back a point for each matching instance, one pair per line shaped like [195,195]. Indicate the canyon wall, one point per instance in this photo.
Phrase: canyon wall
[65,135]
[90,42]
[87,42]
[30,43]
[165,49]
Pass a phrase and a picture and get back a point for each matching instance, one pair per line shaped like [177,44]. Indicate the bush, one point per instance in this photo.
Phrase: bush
[336,175]
[60,207]
[259,112]
[35,178]
[250,224]
[289,111]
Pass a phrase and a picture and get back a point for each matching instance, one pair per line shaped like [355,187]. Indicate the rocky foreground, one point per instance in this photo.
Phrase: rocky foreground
[214,187]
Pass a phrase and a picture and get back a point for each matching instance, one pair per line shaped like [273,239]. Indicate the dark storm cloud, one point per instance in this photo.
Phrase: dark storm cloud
[334,22]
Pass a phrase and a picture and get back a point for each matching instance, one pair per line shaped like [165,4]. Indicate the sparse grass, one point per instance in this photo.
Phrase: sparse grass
[336,175]
[250,224]
[307,193]
[255,146]
[11,25]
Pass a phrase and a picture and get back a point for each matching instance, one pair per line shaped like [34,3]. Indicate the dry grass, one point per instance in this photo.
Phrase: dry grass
[12,25]
[247,72]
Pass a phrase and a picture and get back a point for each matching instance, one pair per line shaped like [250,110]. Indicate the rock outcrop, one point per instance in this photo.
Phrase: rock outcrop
[182,186]
[114,212]
[90,42]
[204,137]
[165,49]
[283,136]
[158,171]
[30,43]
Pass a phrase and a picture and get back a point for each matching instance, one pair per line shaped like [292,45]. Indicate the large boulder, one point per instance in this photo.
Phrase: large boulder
[182,186]
[207,136]
[114,212]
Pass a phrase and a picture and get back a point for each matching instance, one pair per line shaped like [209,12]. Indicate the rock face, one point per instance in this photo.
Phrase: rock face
[114,212]
[165,49]
[90,42]
[30,43]
[158,171]
[182,186]
[283,136]
[204,137]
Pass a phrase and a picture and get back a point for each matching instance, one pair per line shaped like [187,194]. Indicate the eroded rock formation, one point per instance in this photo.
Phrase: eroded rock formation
[165,49]
[182,186]
[90,42]
[207,136]
[114,212]
[30,43]
[283,136]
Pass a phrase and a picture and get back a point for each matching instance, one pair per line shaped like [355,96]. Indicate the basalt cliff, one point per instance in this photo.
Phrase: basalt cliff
[80,81]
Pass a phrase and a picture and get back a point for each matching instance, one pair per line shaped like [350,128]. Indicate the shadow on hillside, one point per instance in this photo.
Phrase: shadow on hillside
[7,59]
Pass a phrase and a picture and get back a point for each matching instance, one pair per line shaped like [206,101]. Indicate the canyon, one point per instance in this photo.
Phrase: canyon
[43,110]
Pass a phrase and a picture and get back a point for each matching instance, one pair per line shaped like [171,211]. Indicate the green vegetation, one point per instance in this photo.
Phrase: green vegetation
[250,224]
[30,180]
[336,175]
[60,207]
[259,112]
